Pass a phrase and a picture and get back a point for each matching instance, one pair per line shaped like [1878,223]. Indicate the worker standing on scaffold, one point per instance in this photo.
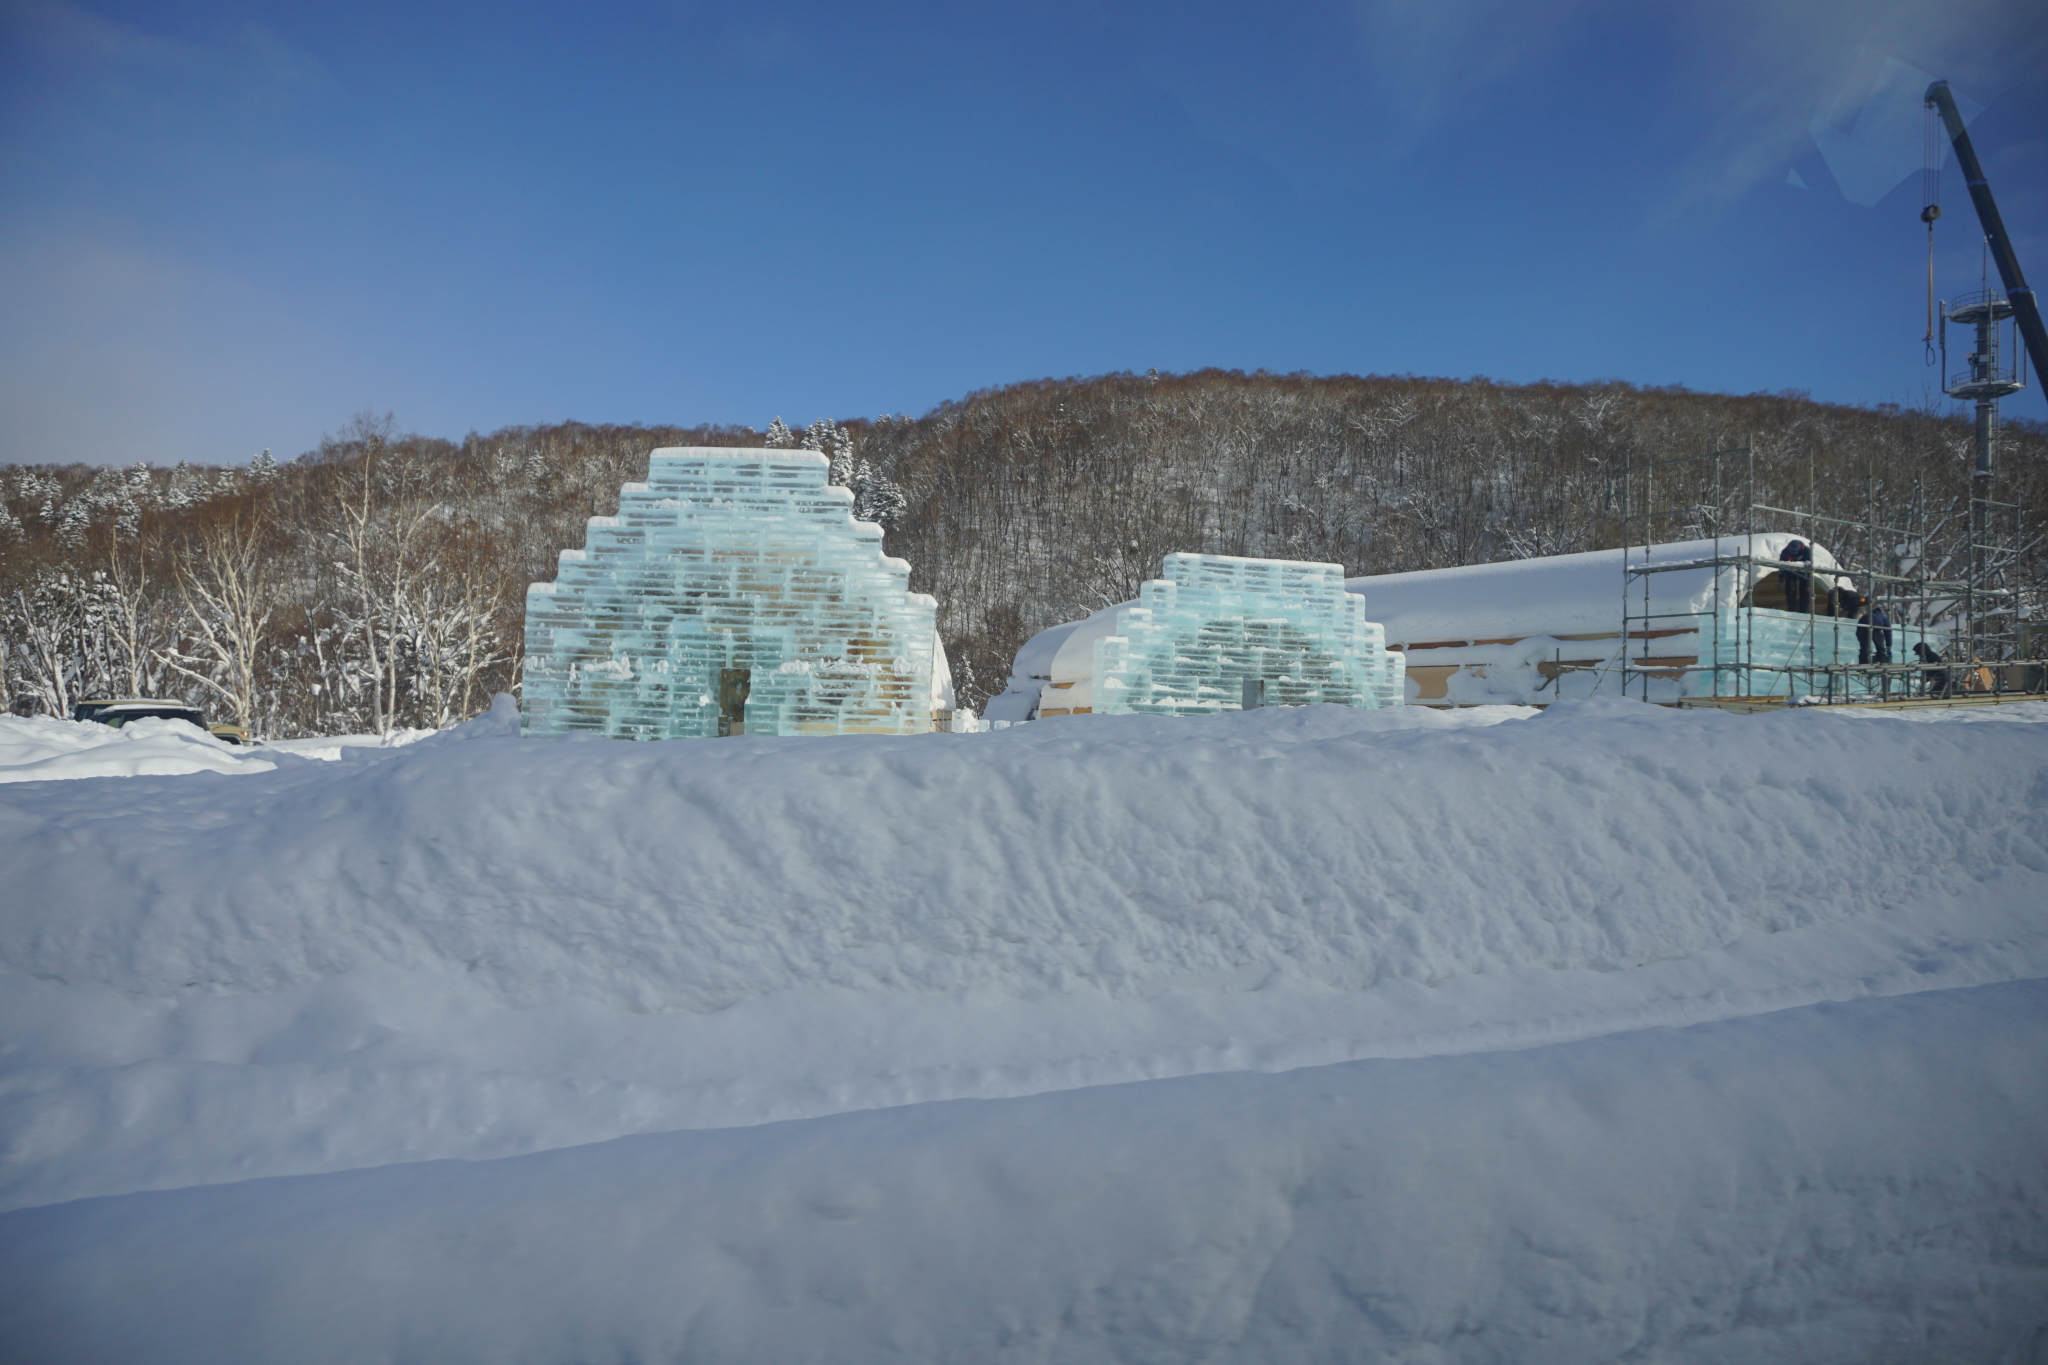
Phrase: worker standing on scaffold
[1798,582]
[1873,634]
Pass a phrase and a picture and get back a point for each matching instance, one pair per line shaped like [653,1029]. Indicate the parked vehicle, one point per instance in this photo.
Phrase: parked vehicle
[119,711]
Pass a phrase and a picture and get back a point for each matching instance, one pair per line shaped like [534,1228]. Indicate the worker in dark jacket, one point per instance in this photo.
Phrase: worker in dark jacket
[1935,681]
[1798,581]
[1873,635]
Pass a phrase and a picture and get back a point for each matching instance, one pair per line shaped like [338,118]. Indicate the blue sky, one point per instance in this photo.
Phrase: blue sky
[230,226]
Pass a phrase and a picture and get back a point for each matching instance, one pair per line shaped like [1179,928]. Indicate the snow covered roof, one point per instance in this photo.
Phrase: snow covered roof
[1577,594]
[1061,657]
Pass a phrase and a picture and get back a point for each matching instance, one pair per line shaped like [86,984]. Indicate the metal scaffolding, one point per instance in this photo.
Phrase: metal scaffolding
[1949,587]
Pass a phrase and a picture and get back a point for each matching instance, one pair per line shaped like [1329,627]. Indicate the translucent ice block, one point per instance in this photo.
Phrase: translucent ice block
[1764,652]
[724,559]
[1215,621]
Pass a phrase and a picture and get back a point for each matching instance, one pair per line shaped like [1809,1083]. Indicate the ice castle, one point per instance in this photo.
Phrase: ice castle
[733,593]
[1215,633]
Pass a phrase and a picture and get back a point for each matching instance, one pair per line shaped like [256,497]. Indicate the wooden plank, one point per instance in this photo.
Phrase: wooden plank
[1432,681]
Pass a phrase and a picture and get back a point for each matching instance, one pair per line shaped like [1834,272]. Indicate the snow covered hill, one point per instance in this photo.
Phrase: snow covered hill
[1314,1034]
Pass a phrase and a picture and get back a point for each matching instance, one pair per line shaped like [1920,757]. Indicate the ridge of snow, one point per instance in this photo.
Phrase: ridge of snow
[478,945]
[43,749]
[1834,1185]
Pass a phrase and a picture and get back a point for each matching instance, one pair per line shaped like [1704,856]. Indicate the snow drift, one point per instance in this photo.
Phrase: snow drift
[506,950]
[1343,847]
[44,749]
[1835,1184]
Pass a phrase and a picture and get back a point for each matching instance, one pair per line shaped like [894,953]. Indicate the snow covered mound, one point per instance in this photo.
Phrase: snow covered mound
[1342,847]
[479,946]
[1551,994]
[42,749]
[1833,1185]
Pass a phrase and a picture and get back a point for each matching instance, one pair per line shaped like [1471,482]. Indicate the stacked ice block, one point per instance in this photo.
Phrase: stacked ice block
[728,559]
[1802,646]
[1215,622]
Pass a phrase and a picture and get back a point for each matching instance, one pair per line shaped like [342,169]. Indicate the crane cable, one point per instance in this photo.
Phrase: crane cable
[1932,153]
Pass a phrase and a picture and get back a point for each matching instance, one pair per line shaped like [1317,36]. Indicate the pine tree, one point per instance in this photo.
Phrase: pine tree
[966,687]
[185,487]
[104,490]
[836,444]
[76,522]
[779,437]
[875,497]
[263,468]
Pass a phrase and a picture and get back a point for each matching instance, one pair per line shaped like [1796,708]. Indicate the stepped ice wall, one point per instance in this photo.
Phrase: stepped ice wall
[728,559]
[1198,633]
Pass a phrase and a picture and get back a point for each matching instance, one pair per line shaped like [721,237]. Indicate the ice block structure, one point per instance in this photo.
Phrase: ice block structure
[1214,622]
[729,559]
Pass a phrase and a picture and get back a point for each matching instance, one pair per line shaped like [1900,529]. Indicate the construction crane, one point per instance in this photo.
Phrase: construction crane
[1990,611]
[2026,313]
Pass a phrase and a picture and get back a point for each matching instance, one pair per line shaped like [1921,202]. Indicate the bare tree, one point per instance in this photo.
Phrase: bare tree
[54,639]
[224,582]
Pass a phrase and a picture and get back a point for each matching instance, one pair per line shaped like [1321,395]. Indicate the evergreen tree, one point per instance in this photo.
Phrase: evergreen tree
[185,487]
[836,444]
[76,522]
[875,497]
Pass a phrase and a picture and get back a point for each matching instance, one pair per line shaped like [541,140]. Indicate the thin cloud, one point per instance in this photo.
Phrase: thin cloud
[52,29]
[92,52]
[1871,134]
[1766,79]
[1433,59]
[1757,84]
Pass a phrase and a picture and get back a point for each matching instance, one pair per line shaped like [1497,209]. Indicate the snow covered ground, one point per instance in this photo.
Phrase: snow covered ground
[44,749]
[1609,1032]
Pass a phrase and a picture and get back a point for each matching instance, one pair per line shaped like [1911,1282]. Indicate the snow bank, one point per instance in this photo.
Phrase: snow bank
[1609,1032]
[43,749]
[1844,1183]
[328,747]
[1340,847]
[478,946]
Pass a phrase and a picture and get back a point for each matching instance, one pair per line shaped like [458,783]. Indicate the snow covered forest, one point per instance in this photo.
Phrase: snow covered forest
[377,582]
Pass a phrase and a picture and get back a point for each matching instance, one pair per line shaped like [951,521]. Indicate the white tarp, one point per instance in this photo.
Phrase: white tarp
[1562,595]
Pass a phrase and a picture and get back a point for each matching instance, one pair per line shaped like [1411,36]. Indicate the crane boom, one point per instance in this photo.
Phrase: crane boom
[2026,312]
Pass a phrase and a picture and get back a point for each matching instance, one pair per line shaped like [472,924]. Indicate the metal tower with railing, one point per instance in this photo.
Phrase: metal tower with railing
[1990,623]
